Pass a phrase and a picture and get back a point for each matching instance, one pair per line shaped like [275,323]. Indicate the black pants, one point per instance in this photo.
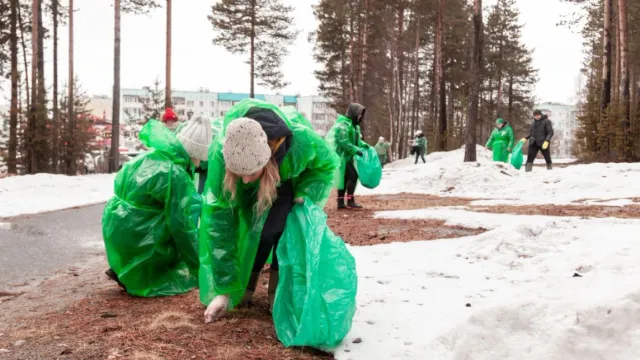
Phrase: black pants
[274,227]
[420,154]
[533,152]
[202,173]
[350,178]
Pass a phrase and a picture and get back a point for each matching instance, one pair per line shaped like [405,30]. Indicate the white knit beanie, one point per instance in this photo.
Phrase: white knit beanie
[245,147]
[195,136]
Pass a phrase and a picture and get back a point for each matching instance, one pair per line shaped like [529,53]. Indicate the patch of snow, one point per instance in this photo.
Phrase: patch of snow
[446,174]
[530,288]
[32,194]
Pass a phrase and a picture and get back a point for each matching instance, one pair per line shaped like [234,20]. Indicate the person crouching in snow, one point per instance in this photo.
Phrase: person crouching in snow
[382,149]
[346,140]
[261,165]
[421,146]
[539,138]
[170,119]
[501,141]
[150,225]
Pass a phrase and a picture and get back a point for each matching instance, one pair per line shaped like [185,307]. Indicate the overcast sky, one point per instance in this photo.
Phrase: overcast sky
[557,52]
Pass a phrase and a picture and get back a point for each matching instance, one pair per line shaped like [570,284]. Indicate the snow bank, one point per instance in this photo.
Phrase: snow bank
[446,174]
[509,293]
[32,194]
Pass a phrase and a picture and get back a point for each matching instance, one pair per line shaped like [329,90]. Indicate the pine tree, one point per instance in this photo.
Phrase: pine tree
[81,139]
[261,29]
[153,103]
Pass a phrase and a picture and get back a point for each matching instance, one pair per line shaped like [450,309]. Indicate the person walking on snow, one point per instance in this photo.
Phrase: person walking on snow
[150,226]
[539,138]
[382,149]
[346,140]
[421,146]
[501,141]
[260,166]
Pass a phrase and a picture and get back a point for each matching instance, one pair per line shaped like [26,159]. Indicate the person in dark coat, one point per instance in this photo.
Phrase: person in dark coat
[539,138]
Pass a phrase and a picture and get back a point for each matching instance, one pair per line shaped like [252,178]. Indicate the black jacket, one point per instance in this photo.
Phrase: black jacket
[274,127]
[541,131]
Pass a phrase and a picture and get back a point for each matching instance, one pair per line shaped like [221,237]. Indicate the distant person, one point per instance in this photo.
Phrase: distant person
[346,139]
[189,114]
[501,141]
[150,226]
[382,149]
[539,138]
[170,119]
[420,146]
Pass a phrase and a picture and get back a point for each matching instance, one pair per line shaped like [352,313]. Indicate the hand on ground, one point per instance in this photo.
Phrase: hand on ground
[216,308]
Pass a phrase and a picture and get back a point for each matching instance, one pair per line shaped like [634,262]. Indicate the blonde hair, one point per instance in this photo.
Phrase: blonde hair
[269,180]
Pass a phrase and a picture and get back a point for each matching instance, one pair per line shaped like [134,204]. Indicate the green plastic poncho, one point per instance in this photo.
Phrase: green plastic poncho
[421,143]
[317,305]
[345,139]
[149,227]
[517,158]
[229,229]
[382,149]
[501,141]
[293,115]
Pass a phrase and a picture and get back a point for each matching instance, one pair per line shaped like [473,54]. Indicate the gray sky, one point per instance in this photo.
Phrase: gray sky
[198,63]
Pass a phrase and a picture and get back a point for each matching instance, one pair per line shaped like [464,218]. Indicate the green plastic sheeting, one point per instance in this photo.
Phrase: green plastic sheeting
[516,156]
[229,228]
[369,167]
[149,227]
[316,295]
[294,116]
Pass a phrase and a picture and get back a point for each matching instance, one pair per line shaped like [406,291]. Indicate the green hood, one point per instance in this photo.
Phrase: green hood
[155,135]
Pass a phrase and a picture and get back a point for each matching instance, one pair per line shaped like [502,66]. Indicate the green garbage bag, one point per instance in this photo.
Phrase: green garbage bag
[517,158]
[316,295]
[369,167]
[150,226]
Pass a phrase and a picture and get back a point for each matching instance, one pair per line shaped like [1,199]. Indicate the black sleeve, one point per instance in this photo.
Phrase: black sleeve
[530,132]
[548,127]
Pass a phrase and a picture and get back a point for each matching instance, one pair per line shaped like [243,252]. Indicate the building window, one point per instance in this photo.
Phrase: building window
[129,99]
[201,103]
[213,114]
[221,113]
[225,103]
[213,104]
[189,102]
[180,111]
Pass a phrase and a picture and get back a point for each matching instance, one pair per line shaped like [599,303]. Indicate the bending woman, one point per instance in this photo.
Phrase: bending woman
[262,164]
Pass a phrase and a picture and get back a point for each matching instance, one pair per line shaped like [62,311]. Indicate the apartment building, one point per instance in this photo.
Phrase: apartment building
[212,105]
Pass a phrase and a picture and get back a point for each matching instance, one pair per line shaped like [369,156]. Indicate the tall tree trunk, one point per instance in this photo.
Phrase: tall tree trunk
[33,106]
[42,153]
[13,114]
[363,50]
[352,56]
[56,117]
[114,157]
[510,99]
[416,95]
[24,55]
[71,121]
[624,80]
[616,87]
[441,92]
[252,50]
[167,91]
[474,81]
[605,95]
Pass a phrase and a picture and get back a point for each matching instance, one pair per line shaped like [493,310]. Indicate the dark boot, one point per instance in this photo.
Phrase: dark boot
[549,166]
[251,288]
[113,276]
[351,202]
[528,167]
[341,204]
[274,277]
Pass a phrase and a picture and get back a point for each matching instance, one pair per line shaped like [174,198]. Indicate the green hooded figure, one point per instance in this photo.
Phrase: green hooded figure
[150,226]
[501,141]
[262,163]
[346,140]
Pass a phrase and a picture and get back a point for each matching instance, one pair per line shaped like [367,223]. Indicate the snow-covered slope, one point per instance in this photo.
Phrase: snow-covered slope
[446,174]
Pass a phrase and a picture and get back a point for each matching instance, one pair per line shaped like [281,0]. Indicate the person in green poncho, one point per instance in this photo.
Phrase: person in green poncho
[346,140]
[501,141]
[150,226]
[420,145]
[262,163]
[382,149]
[200,172]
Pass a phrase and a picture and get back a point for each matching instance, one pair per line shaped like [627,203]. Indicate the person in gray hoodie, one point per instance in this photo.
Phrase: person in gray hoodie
[539,138]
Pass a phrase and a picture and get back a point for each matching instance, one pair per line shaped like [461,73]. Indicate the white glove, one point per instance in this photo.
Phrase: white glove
[299,200]
[216,308]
